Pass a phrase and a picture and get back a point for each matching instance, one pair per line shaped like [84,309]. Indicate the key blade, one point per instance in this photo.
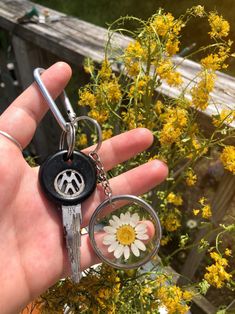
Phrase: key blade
[72,218]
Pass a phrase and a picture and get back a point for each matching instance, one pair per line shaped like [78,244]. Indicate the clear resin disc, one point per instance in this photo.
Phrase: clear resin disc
[125,231]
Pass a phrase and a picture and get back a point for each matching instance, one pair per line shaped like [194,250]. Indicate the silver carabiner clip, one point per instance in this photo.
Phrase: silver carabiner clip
[51,103]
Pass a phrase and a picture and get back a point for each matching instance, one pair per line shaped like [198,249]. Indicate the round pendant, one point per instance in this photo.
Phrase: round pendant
[125,231]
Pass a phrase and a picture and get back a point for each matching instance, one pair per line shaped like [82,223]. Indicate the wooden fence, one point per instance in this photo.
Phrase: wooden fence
[70,39]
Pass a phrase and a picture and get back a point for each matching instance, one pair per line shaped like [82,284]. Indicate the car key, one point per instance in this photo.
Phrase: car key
[68,177]
[68,182]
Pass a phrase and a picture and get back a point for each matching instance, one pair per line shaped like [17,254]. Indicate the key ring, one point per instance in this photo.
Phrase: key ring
[125,239]
[70,136]
[51,103]
[98,128]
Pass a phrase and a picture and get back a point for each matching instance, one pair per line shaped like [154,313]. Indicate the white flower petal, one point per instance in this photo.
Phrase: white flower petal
[114,224]
[135,218]
[115,218]
[127,216]
[108,239]
[142,236]
[140,245]
[122,219]
[141,228]
[126,252]
[119,251]
[135,250]
[113,246]
[110,229]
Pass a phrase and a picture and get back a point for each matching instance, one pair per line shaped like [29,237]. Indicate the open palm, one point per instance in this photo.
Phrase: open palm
[32,249]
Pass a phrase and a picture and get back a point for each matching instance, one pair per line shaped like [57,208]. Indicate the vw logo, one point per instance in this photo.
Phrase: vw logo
[69,183]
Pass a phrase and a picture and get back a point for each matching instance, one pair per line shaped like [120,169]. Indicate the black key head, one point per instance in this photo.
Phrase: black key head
[68,182]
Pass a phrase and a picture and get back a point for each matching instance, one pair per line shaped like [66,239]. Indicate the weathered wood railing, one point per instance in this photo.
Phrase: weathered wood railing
[71,39]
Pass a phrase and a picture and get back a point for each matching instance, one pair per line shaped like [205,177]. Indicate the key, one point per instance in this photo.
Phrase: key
[68,183]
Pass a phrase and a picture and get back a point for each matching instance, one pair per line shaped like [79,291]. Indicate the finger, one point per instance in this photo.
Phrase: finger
[136,182]
[124,146]
[22,116]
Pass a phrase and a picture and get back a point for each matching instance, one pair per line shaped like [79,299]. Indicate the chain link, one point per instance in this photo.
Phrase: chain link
[102,175]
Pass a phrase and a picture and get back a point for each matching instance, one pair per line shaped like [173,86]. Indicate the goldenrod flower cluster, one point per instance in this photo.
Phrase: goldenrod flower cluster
[174,199]
[205,210]
[174,299]
[216,274]
[226,116]
[219,26]
[129,98]
[201,91]
[228,158]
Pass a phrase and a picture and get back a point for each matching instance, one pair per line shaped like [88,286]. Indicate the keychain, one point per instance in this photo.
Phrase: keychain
[124,230]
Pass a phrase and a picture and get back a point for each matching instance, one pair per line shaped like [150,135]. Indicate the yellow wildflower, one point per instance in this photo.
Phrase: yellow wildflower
[227,158]
[174,78]
[139,87]
[202,201]
[228,252]
[165,240]
[188,295]
[177,115]
[162,24]
[219,26]
[172,298]
[87,99]
[82,140]
[88,66]
[216,61]
[201,92]
[101,116]
[171,222]
[191,178]
[132,67]
[104,293]
[174,199]
[158,107]
[169,134]
[172,45]
[132,118]
[225,116]
[134,50]
[105,72]
[111,91]
[206,211]
[106,134]
[198,10]
[165,70]
[216,274]
[196,212]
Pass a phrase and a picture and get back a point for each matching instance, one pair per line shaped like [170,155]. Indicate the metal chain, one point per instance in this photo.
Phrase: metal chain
[102,175]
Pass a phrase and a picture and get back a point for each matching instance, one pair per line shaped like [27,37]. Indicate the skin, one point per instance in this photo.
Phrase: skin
[32,248]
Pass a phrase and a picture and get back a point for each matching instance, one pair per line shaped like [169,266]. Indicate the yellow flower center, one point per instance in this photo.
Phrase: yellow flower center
[126,235]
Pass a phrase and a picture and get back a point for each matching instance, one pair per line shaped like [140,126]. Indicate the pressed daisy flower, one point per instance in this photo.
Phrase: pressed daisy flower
[125,234]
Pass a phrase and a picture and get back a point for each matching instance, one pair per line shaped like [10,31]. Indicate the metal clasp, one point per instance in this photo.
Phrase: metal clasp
[51,103]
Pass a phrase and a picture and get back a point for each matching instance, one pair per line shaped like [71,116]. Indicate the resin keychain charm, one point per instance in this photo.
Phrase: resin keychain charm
[125,231]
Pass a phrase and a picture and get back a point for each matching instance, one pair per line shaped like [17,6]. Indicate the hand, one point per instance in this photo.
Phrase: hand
[32,247]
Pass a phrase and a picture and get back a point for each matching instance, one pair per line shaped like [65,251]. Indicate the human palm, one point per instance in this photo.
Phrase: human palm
[32,249]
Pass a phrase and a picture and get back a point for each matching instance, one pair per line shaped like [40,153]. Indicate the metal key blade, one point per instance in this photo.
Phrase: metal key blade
[72,218]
